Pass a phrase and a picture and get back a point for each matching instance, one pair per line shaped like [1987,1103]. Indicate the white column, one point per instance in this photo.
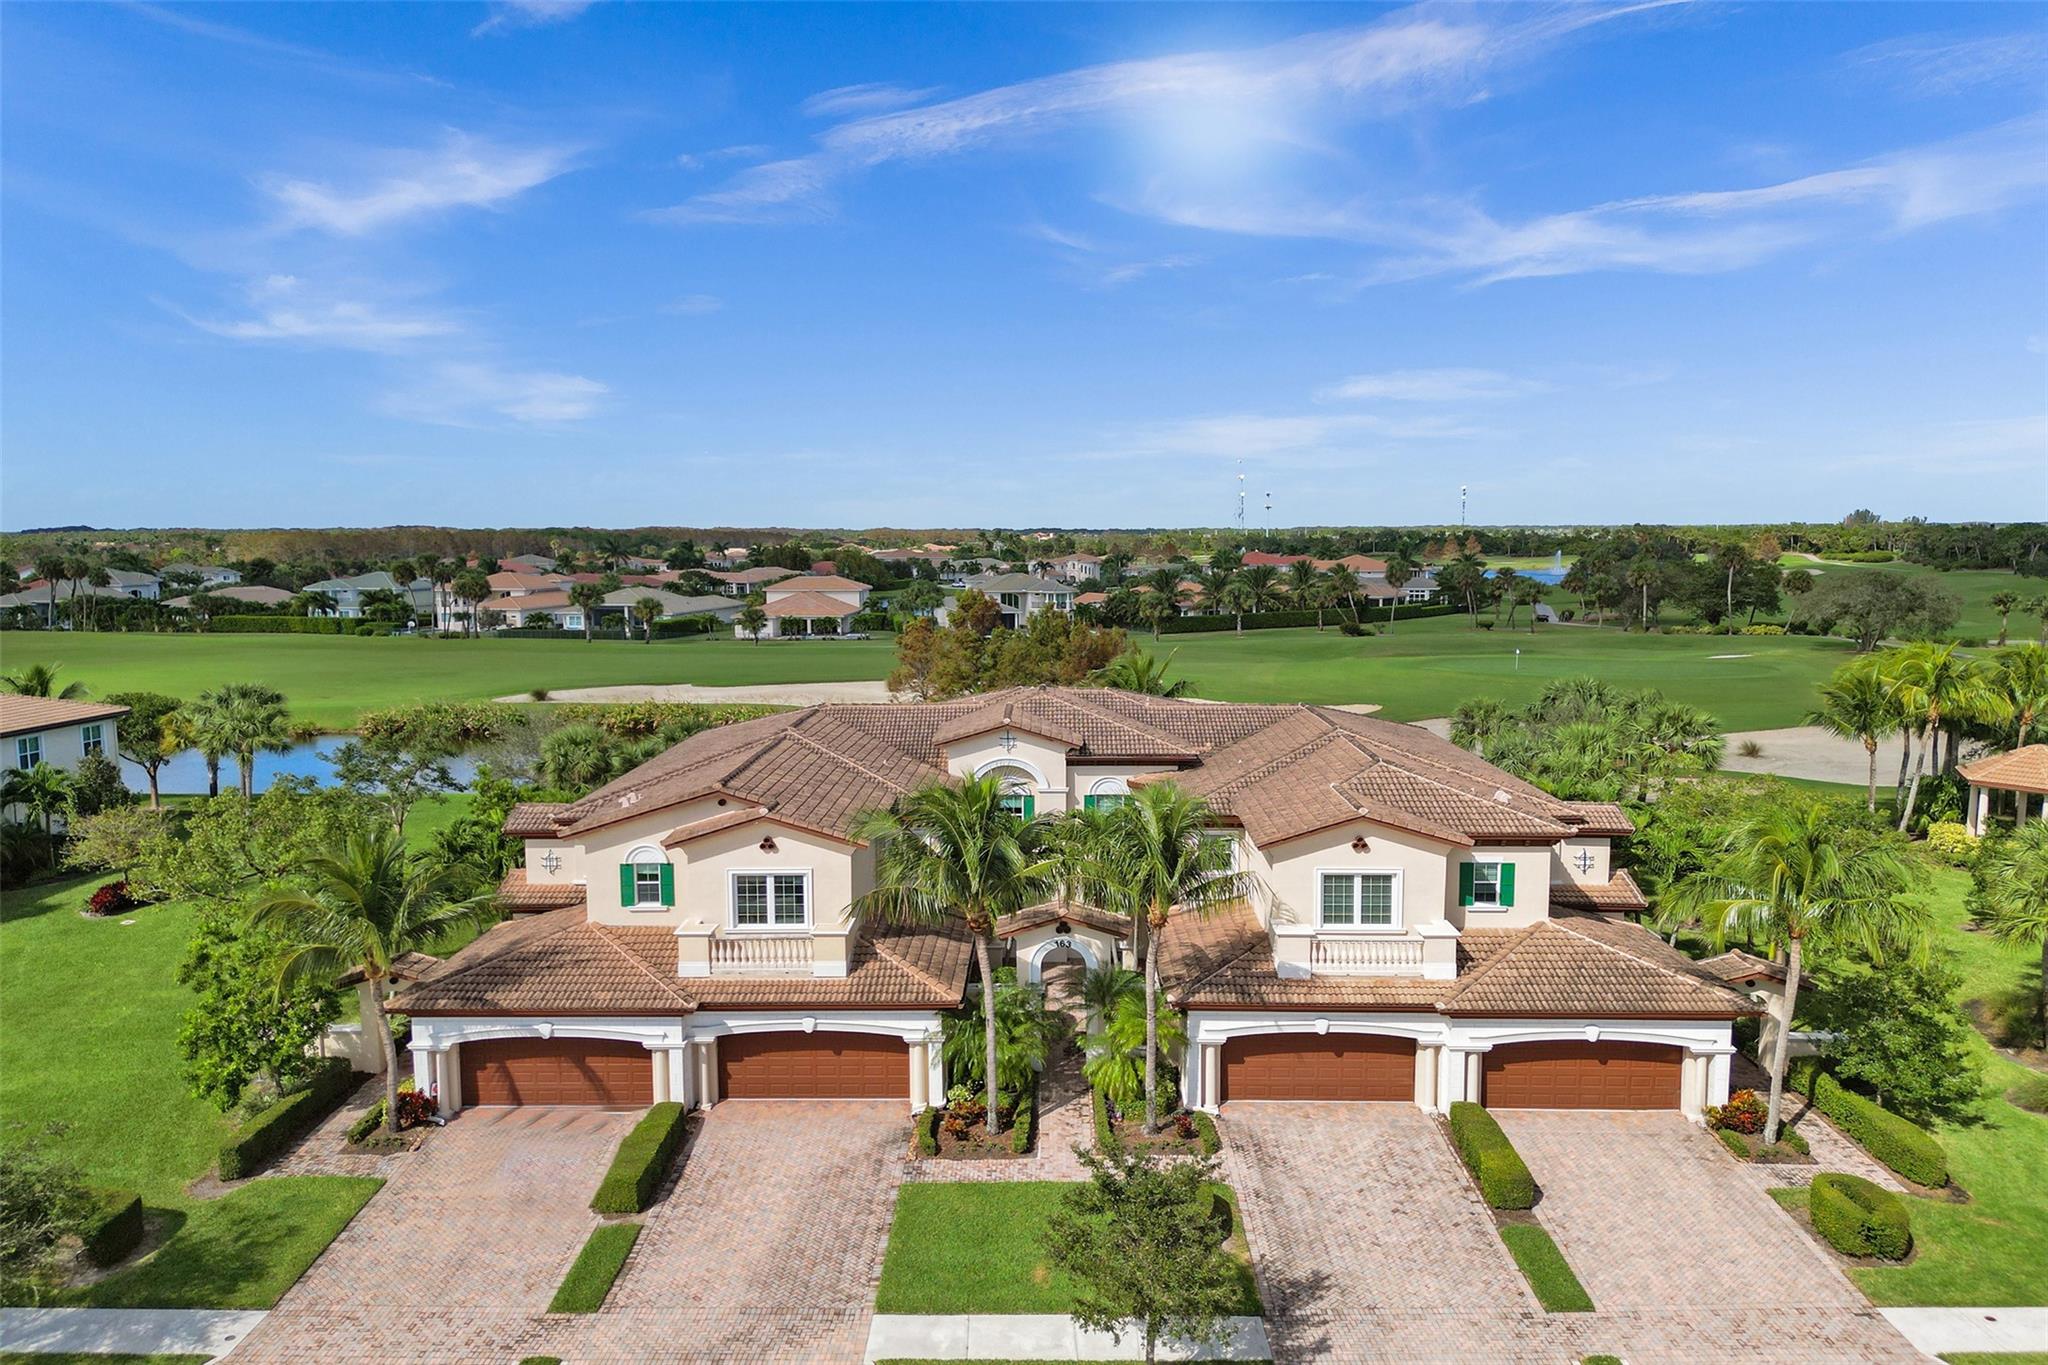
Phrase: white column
[1212,1076]
[707,1070]
[677,1060]
[1979,807]
[920,1075]
[1426,1065]
[1692,1078]
[422,1068]
[657,1058]
[1475,1085]
[448,1082]
[1718,1066]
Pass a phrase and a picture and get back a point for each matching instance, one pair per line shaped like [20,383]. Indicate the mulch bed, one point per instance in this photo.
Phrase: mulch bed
[963,1136]
[1168,1141]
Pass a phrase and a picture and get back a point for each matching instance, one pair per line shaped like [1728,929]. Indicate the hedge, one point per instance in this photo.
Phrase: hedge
[279,625]
[282,1124]
[1858,1218]
[1205,1133]
[114,1227]
[1897,1142]
[1024,1121]
[924,1132]
[1504,1179]
[642,1160]
[1285,620]
[1105,1136]
[590,1279]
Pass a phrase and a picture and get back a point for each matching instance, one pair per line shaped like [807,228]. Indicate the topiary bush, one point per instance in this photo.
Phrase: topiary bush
[642,1160]
[1024,1121]
[1205,1133]
[1504,1179]
[1859,1218]
[1898,1143]
[114,1228]
[283,1123]
[924,1131]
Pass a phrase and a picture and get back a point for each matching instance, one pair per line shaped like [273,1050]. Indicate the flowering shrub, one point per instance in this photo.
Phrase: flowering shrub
[1745,1112]
[414,1108]
[111,899]
[1952,842]
[1184,1126]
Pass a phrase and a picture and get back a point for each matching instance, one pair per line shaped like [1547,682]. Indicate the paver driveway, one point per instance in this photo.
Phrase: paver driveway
[457,1256]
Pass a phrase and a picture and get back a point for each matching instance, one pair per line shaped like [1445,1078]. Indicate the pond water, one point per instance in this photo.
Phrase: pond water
[185,775]
[1550,576]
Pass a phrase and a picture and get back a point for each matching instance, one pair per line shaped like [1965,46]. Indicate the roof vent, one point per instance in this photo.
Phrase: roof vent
[1501,796]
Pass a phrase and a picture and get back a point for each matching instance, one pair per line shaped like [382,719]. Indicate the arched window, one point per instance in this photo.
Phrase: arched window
[1107,794]
[1018,792]
[647,880]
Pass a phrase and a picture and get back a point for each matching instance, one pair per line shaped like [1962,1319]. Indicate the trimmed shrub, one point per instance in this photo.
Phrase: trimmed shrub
[280,625]
[1288,620]
[1504,1179]
[1206,1134]
[1745,1112]
[1897,1142]
[1217,1212]
[1789,1137]
[643,1159]
[371,1120]
[589,1280]
[924,1132]
[283,1123]
[1952,842]
[1105,1136]
[1024,1121]
[1732,1140]
[114,1228]
[1859,1218]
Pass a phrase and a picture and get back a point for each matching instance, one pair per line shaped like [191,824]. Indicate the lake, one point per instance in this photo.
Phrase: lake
[185,775]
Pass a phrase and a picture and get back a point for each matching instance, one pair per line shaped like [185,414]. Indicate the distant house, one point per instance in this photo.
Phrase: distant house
[731,557]
[810,604]
[1078,567]
[49,730]
[740,582]
[1019,595]
[348,592]
[255,596]
[673,604]
[209,575]
[527,564]
[36,594]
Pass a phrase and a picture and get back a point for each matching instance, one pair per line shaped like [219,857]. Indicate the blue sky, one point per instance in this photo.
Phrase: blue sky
[548,263]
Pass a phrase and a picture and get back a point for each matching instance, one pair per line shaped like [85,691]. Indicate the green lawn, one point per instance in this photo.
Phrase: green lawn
[1546,1269]
[589,1280]
[1974,587]
[974,1248]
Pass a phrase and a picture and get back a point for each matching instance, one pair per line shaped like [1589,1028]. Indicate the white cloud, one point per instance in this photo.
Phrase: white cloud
[744,151]
[1433,386]
[510,14]
[283,309]
[872,98]
[463,172]
[1936,64]
[1281,436]
[467,393]
[694,305]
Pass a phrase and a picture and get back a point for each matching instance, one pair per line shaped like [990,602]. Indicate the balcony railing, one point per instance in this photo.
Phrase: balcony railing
[768,953]
[1362,955]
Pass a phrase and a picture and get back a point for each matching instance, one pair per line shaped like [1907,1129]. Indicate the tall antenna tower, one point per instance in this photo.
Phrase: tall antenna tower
[1269,509]
[1240,499]
[1461,506]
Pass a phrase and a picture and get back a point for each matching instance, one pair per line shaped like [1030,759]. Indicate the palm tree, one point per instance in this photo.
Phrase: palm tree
[1302,578]
[751,619]
[1237,598]
[1160,857]
[50,568]
[41,791]
[471,586]
[1215,581]
[1527,592]
[202,725]
[1262,581]
[1786,873]
[40,680]
[1731,556]
[588,597]
[1116,1047]
[1854,704]
[1104,988]
[361,905]
[2038,606]
[1476,720]
[247,719]
[2009,896]
[1136,671]
[647,610]
[1342,586]
[2002,602]
[1929,682]
[1501,587]
[2023,677]
[1468,571]
[954,852]
[311,603]
[1401,569]
[1641,574]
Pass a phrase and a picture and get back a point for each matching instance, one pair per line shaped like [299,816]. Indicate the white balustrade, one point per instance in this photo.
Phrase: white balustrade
[1363,955]
[761,953]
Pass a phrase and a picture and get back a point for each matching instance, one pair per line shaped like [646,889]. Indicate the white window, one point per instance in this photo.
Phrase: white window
[94,739]
[1486,884]
[28,751]
[647,883]
[1360,900]
[771,900]
[1107,794]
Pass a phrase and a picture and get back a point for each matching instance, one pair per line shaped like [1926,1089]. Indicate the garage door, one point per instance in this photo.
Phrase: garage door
[586,1071]
[1582,1076]
[1309,1066]
[812,1066]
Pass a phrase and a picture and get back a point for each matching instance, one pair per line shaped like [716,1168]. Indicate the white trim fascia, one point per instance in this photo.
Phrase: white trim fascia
[438,1033]
[1700,1037]
[1219,1026]
[912,1026]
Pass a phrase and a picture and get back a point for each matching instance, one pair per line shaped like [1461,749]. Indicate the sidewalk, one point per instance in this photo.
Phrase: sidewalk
[1939,1331]
[125,1331]
[1038,1336]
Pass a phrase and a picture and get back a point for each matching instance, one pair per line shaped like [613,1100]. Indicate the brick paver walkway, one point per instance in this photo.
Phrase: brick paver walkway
[325,1150]
[457,1257]
[1066,1116]
[1831,1150]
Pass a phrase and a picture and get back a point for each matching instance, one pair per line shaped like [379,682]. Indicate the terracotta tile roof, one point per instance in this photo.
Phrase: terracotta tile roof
[1736,966]
[516,893]
[1052,912]
[2023,770]
[766,573]
[1008,715]
[1569,965]
[809,604]
[560,963]
[525,582]
[820,582]
[1618,892]
[532,601]
[534,819]
[1091,599]
[21,715]
[1597,818]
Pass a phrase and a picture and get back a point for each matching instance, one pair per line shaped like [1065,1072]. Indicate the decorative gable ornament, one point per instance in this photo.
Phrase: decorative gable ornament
[768,843]
[550,862]
[1359,845]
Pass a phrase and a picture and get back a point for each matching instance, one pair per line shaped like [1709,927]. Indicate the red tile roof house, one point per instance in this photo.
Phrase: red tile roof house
[809,604]
[1426,928]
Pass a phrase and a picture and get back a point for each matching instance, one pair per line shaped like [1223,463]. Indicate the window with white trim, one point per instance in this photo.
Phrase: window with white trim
[771,900]
[1486,881]
[93,738]
[1107,794]
[1360,900]
[647,883]
[28,751]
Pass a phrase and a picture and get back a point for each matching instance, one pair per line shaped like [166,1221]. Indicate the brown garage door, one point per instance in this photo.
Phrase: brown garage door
[1582,1076]
[812,1066]
[588,1071]
[1309,1066]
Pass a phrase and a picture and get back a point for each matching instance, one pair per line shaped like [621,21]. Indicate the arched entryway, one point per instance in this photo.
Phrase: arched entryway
[1059,952]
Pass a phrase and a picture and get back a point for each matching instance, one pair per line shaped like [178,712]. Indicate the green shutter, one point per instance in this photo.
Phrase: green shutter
[1507,884]
[668,883]
[1030,805]
[1464,883]
[1087,803]
[626,884]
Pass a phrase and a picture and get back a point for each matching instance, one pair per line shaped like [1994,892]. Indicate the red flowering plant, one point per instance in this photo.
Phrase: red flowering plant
[1744,1113]
[414,1108]
[111,899]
